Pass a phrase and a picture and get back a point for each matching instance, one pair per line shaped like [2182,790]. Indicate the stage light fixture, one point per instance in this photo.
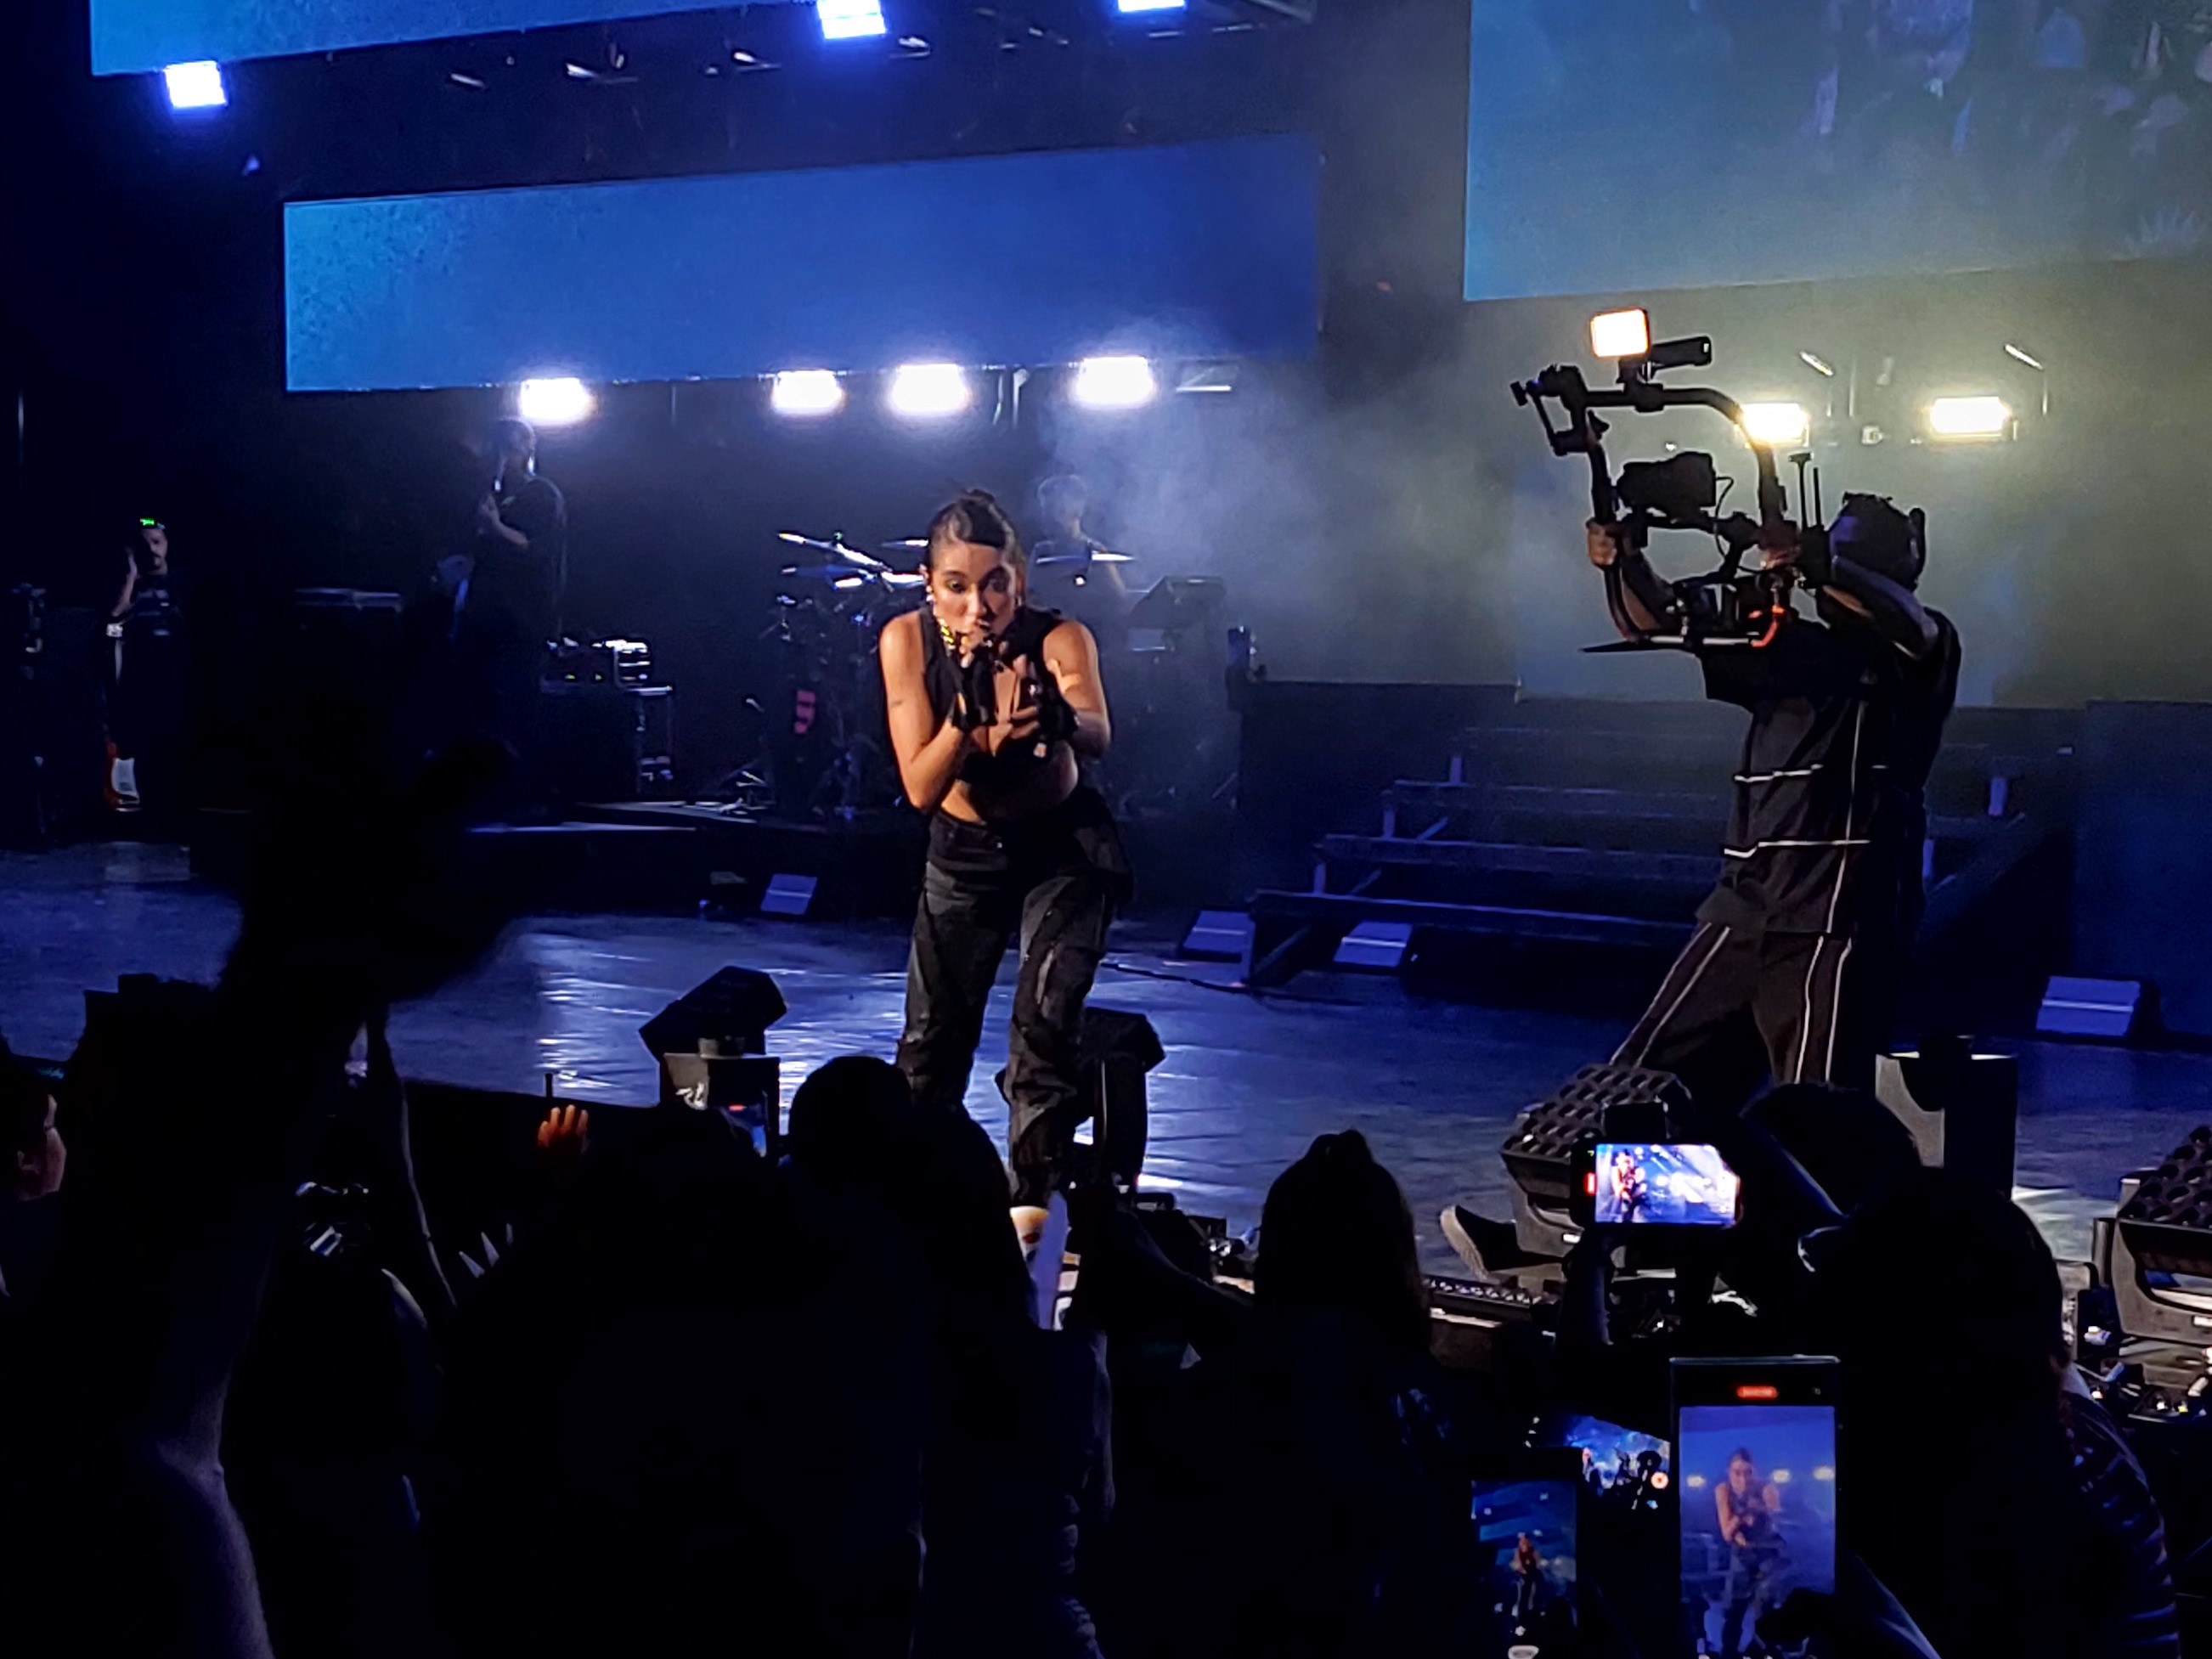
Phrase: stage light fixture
[1115,383]
[195,86]
[806,392]
[1982,417]
[1621,333]
[1775,424]
[921,391]
[562,401]
[1128,6]
[849,19]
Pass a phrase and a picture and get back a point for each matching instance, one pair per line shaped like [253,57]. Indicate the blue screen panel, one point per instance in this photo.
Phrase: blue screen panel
[1200,250]
[1617,146]
[130,37]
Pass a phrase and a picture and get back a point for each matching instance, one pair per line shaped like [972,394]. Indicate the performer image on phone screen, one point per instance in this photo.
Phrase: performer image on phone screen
[992,706]
[1631,1188]
[1749,1507]
[1528,1571]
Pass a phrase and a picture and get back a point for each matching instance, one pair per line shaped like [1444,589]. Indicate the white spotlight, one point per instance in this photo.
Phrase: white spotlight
[849,19]
[1775,424]
[1968,417]
[1115,383]
[806,392]
[195,86]
[562,402]
[922,390]
[1127,6]
[1621,333]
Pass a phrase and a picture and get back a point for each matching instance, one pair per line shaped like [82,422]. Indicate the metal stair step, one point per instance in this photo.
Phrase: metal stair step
[1512,858]
[1566,926]
[1658,811]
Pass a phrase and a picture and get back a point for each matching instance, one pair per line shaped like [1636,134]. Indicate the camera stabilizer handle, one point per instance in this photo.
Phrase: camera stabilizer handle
[1583,433]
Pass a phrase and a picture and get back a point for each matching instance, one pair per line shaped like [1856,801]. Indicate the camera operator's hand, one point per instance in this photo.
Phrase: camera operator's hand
[1605,543]
[1785,552]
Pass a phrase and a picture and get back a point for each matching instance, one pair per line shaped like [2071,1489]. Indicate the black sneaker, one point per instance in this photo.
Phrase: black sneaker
[1487,1246]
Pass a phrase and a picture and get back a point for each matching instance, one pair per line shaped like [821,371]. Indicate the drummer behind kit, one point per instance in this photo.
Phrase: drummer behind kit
[1163,662]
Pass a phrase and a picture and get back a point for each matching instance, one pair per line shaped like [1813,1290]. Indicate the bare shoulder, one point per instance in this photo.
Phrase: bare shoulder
[902,636]
[1070,641]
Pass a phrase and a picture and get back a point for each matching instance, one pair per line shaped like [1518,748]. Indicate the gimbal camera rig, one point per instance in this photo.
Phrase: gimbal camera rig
[1728,606]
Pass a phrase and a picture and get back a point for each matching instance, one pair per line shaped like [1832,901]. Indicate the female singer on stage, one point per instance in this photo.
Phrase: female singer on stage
[991,704]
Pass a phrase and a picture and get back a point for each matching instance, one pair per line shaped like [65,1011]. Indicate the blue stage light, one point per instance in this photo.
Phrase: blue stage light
[195,86]
[849,19]
[1151,5]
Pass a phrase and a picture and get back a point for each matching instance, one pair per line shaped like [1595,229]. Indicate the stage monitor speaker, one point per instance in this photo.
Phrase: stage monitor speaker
[2111,1010]
[1378,945]
[789,896]
[1962,1107]
[728,1014]
[1218,936]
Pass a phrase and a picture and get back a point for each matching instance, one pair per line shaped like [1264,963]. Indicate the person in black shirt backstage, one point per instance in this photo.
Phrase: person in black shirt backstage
[1799,947]
[512,604]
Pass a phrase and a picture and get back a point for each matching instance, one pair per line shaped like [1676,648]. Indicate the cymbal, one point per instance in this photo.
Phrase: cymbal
[845,575]
[1097,556]
[836,546]
[911,543]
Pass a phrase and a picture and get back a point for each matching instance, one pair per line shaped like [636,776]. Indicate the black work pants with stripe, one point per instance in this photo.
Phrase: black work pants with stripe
[1739,1006]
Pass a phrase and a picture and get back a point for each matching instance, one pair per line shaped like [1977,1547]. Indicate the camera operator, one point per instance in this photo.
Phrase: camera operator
[1800,946]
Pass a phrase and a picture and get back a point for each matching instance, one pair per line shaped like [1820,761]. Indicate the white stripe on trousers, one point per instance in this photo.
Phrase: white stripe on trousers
[1805,1025]
[1835,1011]
[1659,1025]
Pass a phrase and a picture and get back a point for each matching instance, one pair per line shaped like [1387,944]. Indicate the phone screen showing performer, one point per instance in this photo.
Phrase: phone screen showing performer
[1662,1184]
[1755,1459]
[1525,1539]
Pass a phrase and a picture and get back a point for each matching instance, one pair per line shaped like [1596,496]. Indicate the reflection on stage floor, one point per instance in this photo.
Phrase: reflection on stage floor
[1246,1083]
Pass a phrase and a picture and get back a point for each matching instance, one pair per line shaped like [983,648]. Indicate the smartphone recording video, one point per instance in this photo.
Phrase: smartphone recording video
[1755,1454]
[1526,1532]
[1662,1184]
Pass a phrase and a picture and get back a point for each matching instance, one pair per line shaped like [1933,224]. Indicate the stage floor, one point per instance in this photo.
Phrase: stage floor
[1248,1082]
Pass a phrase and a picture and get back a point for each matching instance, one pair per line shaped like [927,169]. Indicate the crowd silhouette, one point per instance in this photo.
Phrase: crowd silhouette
[687,1399]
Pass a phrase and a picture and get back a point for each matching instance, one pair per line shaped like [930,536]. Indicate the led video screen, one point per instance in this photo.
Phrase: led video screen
[1209,249]
[1630,145]
[131,37]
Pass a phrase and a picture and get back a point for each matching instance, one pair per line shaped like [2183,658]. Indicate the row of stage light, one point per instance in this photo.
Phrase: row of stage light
[914,391]
[1971,418]
[858,20]
[199,86]
[1982,418]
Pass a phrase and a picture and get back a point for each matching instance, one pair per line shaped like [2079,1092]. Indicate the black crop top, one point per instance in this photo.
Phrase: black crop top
[942,681]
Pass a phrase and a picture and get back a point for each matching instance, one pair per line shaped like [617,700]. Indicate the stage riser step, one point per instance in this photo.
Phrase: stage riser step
[1592,865]
[1341,913]
[1604,819]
